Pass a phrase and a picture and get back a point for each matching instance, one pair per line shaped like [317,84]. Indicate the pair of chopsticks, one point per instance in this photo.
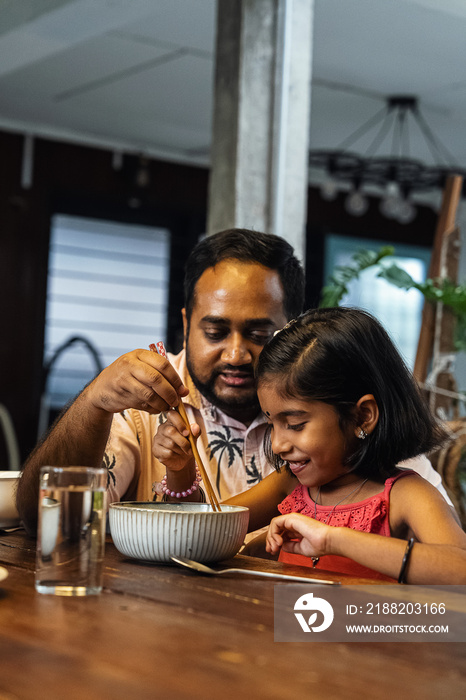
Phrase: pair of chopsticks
[159,348]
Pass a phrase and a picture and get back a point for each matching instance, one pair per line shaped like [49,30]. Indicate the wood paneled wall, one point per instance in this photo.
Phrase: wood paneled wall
[79,181]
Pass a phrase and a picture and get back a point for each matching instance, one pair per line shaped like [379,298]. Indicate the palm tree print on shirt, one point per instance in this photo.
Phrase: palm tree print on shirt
[253,474]
[108,465]
[227,446]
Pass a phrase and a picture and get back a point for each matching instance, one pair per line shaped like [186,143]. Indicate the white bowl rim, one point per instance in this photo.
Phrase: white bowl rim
[9,475]
[162,506]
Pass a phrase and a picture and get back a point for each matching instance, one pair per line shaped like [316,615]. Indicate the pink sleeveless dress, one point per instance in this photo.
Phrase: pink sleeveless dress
[370,515]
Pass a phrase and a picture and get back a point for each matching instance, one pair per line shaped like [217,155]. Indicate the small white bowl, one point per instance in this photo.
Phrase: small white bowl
[9,516]
[155,531]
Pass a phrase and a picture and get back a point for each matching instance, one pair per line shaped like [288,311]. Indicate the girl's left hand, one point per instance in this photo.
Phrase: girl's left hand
[297,534]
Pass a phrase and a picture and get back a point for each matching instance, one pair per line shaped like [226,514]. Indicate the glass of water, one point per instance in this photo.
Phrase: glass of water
[71,533]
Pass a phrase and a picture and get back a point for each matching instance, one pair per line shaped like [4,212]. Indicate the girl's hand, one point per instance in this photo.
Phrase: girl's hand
[298,534]
[171,444]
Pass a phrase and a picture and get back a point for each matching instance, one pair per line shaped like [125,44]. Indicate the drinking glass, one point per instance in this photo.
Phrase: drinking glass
[71,533]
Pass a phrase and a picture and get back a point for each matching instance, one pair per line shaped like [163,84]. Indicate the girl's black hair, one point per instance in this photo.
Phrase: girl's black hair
[336,355]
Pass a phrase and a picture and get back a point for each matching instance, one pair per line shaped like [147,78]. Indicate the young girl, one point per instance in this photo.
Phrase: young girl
[343,411]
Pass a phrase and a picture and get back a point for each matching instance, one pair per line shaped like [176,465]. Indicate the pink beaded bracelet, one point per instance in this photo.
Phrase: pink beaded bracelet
[182,494]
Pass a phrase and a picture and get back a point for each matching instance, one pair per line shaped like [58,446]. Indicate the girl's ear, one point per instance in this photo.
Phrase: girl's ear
[367,416]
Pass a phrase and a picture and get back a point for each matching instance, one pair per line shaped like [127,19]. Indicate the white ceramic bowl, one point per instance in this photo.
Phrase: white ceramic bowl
[154,531]
[8,514]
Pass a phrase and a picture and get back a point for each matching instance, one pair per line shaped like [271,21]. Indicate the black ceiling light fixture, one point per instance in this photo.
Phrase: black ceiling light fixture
[397,176]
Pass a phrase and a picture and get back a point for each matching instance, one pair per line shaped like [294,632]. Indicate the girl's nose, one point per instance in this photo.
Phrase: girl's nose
[235,351]
[280,445]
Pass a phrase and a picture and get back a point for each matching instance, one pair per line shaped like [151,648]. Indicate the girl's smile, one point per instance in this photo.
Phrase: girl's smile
[307,435]
[297,467]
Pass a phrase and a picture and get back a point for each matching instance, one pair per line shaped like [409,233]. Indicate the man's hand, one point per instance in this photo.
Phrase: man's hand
[139,379]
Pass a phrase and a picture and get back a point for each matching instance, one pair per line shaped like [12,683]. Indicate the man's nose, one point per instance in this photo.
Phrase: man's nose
[236,351]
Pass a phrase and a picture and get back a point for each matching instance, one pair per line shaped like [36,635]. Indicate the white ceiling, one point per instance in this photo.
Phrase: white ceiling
[138,75]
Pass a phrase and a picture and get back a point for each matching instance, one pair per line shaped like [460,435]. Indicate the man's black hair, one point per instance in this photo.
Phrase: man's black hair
[251,247]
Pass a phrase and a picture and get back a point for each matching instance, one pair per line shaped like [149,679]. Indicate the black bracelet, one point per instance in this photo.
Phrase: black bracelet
[404,563]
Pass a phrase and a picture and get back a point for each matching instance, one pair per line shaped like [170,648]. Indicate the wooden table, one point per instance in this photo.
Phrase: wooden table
[158,631]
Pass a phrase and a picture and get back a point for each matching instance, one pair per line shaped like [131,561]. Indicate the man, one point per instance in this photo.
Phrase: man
[240,287]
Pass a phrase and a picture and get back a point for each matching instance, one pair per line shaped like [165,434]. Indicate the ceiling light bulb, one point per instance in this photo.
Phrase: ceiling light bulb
[390,206]
[406,212]
[356,203]
[392,189]
[329,190]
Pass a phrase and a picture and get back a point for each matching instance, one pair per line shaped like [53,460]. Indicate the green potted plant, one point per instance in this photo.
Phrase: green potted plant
[444,291]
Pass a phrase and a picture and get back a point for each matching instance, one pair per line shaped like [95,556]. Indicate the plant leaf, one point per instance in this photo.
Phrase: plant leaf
[451,294]
[397,276]
[337,287]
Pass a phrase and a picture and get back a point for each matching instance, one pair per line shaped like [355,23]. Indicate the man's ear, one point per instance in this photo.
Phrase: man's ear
[185,326]
[367,413]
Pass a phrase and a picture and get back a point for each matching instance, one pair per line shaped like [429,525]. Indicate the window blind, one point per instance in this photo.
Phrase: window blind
[107,284]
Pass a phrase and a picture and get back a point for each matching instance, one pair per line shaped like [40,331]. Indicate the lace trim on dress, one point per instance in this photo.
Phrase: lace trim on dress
[365,516]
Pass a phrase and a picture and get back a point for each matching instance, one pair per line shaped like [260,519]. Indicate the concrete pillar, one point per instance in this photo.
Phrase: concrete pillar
[259,174]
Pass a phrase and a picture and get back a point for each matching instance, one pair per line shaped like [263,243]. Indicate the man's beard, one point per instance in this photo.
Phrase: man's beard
[207,389]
